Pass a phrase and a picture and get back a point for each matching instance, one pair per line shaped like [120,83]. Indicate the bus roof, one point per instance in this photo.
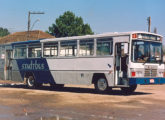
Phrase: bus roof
[97,36]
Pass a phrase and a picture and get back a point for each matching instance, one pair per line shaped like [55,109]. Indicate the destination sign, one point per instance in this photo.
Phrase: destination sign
[146,37]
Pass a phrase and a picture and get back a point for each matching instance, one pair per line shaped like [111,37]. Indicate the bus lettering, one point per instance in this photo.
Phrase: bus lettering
[33,66]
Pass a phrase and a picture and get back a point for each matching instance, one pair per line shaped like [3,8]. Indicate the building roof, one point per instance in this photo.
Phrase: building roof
[24,36]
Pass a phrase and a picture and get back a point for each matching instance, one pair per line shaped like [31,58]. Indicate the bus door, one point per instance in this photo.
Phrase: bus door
[121,59]
[8,65]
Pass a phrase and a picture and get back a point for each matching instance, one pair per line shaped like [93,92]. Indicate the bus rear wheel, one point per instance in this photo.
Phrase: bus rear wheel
[129,90]
[101,85]
[31,83]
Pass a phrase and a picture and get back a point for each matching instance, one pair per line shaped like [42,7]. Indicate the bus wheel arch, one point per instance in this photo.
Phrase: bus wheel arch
[26,76]
[100,82]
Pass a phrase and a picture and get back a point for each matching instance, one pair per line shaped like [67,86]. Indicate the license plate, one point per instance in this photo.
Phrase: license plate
[152,80]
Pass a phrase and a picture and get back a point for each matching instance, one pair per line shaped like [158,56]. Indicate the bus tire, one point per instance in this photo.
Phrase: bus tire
[30,82]
[129,90]
[101,85]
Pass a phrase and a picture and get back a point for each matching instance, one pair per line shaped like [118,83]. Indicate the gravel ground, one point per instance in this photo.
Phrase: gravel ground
[80,103]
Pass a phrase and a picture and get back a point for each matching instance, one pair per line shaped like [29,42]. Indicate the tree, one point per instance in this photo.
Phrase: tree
[4,32]
[69,25]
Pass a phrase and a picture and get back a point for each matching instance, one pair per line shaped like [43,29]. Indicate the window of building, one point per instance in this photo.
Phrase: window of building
[34,50]
[20,51]
[68,48]
[86,47]
[104,46]
[51,49]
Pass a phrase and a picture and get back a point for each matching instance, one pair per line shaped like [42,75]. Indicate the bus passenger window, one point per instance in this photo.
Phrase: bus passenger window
[104,46]
[20,51]
[68,48]
[34,51]
[51,49]
[86,47]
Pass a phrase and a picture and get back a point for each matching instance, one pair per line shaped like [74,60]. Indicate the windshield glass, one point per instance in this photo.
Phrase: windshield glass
[146,52]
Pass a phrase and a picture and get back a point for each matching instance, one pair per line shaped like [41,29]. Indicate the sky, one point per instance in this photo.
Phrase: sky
[102,15]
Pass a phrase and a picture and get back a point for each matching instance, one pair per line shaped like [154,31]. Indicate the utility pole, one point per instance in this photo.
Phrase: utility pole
[149,23]
[155,30]
[29,21]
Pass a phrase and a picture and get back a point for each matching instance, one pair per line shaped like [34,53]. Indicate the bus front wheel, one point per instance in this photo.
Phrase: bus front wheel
[129,90]
[101,85]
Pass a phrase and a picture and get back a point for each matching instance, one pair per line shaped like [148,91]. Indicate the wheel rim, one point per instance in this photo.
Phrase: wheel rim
[102,84]
[31,81]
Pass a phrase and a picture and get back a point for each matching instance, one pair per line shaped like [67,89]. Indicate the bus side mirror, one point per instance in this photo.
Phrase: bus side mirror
[125,48]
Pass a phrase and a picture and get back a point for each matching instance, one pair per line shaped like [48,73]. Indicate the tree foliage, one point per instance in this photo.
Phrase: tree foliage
[69,25]
[3,32]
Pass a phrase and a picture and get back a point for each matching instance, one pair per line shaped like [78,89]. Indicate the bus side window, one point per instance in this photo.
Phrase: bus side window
[86,47]
[51,49]
[68,48]
[104,46]
[34,50]
[20,51]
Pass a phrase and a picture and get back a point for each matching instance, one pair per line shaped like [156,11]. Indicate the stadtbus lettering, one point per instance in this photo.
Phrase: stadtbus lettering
[33,66]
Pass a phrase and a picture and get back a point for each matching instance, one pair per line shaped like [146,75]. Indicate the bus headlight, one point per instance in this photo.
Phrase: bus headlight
[139,74]
[161,73]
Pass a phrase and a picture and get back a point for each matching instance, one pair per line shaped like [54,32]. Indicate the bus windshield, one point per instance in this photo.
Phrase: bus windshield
[146,52]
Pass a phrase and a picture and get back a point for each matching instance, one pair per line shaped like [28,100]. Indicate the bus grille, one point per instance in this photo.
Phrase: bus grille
[150,73]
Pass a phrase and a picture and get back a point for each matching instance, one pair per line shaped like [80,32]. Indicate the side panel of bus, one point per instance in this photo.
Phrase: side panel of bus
[35,66]
[80,70]
[16,72]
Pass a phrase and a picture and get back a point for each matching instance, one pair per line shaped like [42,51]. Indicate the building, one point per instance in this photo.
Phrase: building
[23,36]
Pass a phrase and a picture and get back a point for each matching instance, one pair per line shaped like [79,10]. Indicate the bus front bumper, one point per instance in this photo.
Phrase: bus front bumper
[146,81]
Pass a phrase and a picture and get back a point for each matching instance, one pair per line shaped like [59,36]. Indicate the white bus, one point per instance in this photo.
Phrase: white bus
[110,60]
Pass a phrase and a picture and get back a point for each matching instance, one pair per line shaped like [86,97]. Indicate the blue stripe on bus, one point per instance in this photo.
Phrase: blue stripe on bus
[38,66]
[26,42]
[146,81]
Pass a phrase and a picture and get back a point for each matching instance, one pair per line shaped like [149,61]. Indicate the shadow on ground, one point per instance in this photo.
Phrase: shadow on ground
[75,90]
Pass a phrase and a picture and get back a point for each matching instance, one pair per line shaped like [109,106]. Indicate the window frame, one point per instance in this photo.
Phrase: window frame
[73,50]
[56,48]
[110,39]
[87,46]
[34,45]
[19,47]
